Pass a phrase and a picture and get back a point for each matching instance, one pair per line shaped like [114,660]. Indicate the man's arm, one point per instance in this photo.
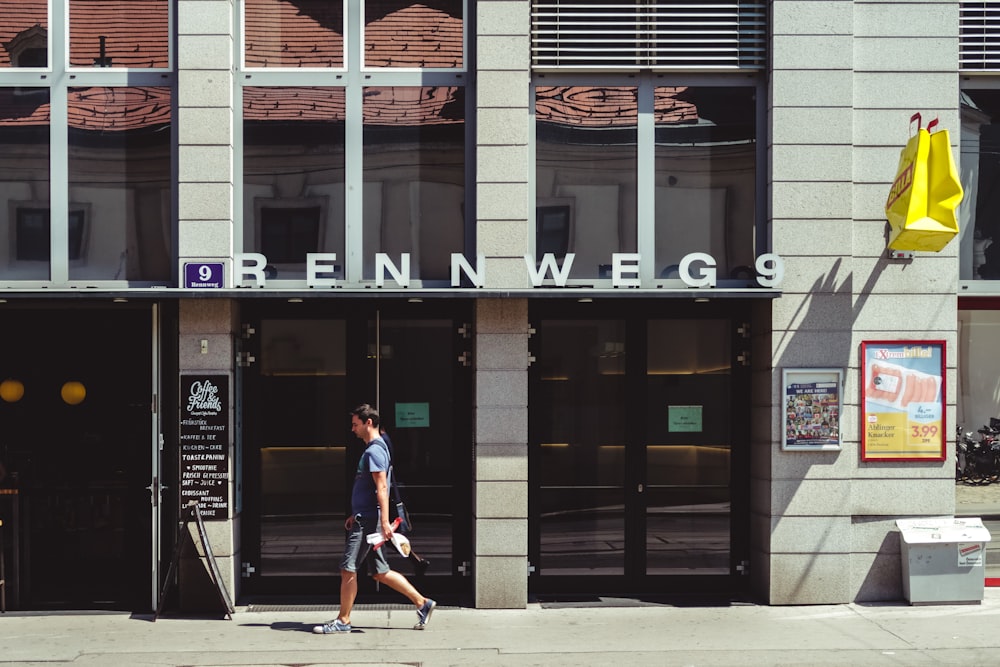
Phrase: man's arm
[382,496]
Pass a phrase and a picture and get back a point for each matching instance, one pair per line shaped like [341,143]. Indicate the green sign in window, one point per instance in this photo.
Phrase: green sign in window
[684,418]
[413,415]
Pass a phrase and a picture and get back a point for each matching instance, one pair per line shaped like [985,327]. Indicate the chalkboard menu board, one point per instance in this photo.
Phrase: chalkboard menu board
[204,432]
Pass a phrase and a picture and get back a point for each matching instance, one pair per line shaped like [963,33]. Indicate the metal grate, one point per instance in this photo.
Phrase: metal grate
[979,36]
[601,35]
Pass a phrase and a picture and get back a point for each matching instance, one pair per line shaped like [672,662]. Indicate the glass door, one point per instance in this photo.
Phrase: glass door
[423,373]
[310,369]
[687,495]
[296,438]
[635,430]
[580,424]
[79,445]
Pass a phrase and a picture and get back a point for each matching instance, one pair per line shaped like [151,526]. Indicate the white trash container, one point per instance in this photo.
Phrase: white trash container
[944,559]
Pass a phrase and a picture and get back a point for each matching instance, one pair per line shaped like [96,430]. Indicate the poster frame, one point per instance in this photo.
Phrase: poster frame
[794,376]
[941,452]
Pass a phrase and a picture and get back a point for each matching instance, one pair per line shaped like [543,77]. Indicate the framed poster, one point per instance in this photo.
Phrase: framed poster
[902,400]
[812,408]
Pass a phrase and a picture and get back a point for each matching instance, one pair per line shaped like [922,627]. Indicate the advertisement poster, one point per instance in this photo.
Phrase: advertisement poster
[204,436]
[812,408]
[903,399]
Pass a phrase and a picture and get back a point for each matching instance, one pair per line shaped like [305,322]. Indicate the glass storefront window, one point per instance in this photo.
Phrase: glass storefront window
[663,171]
[979,214]
[119,33]
[586,175]
[414,176]
[303,33]
[293,177]
[24,34]
[120,183]
[978,368]
[412,34]
[705,178]
[24,184]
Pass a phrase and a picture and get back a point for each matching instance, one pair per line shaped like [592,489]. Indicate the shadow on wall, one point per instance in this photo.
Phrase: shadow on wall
[832,308]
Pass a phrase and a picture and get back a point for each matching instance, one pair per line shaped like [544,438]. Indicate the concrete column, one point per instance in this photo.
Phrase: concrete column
[503,206]
[503,201]
[206,345]
[205,169]
[501,478]
[206,175]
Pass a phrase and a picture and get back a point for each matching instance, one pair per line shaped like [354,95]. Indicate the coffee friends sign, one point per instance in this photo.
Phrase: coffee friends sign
[204,444]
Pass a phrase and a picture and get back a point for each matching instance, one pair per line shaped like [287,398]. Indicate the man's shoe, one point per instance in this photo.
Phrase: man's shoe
[332,628]
[424,614]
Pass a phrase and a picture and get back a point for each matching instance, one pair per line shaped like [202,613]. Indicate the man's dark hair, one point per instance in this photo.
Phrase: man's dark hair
[365,412]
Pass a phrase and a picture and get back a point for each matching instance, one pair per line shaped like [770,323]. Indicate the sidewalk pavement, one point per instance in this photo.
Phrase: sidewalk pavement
[860,635]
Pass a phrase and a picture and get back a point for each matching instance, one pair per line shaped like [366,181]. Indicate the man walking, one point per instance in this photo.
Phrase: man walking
[370,513]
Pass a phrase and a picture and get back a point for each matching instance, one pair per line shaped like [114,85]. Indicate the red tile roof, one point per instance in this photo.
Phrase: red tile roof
[590,106]
[309,33]
[105,109]
[135,31]
[396,106]
[294,33]
[16,16]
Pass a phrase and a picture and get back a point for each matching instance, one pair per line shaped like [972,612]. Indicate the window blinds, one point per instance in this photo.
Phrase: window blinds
[645,34]
[979,36]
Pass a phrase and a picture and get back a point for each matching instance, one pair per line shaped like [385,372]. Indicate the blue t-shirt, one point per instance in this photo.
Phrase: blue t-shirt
[363,498]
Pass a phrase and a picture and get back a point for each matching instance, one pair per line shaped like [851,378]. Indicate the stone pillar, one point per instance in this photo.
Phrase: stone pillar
[205,174]
[205,170]
[501,475]
[206,346]
[503,203]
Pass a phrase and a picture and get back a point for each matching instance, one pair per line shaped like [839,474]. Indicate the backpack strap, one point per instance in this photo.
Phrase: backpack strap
[393,488]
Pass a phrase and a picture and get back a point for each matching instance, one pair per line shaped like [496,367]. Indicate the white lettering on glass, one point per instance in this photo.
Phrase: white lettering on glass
[318,263]
[625,263]
[549,265]
[697,269]
[706,277]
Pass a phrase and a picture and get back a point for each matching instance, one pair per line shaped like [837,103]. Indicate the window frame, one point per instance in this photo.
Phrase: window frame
[647,82]
[353,78]
[58,78]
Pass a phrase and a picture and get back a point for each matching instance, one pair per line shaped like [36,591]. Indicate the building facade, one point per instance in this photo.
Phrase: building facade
[581,255]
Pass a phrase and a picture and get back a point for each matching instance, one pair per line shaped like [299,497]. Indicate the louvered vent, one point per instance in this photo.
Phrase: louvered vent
[594,35]
[979,36]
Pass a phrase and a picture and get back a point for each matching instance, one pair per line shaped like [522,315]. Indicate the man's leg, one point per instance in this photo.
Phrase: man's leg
[348,593]
[399,583]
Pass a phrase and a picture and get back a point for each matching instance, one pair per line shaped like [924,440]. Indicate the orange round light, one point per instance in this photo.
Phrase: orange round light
[11,391]
[73,392]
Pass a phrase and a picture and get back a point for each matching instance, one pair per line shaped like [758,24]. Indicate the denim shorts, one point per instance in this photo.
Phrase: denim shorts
[357,548]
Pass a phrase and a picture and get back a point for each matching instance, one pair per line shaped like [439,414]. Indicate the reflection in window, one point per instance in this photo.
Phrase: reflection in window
[294,33]
[33,238]
[401,33]
[119,33]
[688,496]
[979,214]
[705,177]
[580,450]
[586,154]
[414,171]
[293,164]
[23,33]
[24,180]
[553,230]
[120,167]
[978,368]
